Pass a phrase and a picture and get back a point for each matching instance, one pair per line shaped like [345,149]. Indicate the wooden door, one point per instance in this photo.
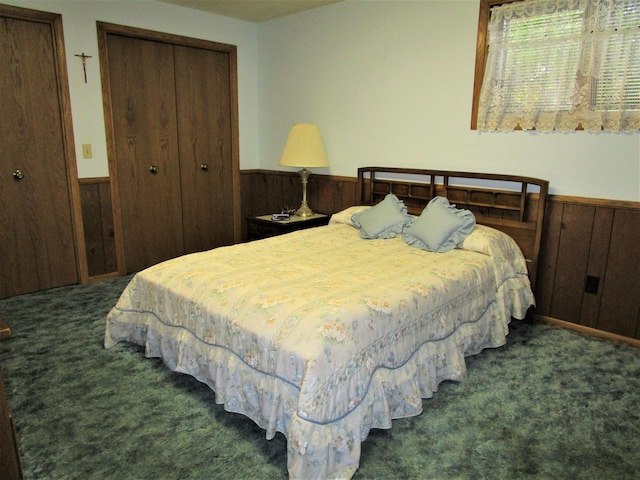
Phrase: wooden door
[203,93]
[143,106]
[171,102]
[38,237]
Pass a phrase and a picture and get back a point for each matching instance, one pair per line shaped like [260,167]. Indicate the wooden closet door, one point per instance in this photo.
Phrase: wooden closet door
[37,241]
[143,103]
[203,93]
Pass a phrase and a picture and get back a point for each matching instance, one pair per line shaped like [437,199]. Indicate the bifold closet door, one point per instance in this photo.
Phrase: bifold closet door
[37,244]
[204,130]
[143,103]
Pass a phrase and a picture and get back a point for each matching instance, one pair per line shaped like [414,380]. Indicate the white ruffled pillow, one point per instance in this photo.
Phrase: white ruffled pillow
[345,215]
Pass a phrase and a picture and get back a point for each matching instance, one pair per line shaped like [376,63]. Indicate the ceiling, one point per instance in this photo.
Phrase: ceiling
[252,10]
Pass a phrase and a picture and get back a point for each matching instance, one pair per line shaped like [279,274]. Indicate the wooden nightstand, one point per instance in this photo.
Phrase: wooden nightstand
[262,226]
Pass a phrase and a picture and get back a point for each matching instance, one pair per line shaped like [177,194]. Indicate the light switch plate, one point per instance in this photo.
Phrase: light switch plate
[86,150]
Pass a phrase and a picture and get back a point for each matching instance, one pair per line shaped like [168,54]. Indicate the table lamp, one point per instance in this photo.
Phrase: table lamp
[304,148]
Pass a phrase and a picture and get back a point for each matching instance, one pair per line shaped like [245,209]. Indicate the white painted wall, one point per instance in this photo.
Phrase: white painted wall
[391,82]
[388,82]
[79,21]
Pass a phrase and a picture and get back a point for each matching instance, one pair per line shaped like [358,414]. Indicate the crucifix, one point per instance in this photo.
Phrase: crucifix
[84,64]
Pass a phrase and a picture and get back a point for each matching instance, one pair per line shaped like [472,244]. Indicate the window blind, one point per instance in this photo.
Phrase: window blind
[561,64]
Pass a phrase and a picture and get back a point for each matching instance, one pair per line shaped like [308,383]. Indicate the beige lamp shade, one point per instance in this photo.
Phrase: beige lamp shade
[304,147]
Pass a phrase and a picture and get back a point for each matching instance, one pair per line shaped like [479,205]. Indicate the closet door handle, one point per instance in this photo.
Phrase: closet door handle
[153,169]
[18,175]
[204,167]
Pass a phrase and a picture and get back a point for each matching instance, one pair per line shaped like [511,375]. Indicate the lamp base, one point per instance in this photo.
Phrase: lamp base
[304,211]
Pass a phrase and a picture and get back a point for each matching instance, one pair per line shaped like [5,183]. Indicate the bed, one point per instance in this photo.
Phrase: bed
[322,334]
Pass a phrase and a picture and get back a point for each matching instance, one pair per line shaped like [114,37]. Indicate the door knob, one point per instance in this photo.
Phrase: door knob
[18,175]
[204,166]
[153,169]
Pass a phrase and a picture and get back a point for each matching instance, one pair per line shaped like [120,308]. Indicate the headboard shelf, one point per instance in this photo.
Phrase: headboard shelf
[510,203]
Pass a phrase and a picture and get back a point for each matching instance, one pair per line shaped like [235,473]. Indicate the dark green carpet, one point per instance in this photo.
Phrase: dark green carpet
[550,404]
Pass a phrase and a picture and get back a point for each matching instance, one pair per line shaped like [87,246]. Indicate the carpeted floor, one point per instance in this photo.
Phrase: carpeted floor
[551,404]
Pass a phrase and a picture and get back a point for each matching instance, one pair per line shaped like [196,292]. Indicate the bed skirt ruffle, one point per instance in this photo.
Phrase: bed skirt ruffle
[323,450]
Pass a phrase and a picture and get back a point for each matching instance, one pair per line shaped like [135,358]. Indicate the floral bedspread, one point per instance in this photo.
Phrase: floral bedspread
[322,335]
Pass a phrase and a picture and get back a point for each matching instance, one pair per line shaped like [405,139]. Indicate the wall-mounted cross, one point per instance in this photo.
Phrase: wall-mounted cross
[84,64]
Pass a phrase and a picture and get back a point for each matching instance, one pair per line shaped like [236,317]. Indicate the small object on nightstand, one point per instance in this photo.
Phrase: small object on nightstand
[280,216]
[264,226]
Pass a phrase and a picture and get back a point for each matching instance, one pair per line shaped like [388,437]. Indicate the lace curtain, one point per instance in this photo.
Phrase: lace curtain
[562,64]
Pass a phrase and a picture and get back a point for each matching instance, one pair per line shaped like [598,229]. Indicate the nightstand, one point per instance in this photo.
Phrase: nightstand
[262,226]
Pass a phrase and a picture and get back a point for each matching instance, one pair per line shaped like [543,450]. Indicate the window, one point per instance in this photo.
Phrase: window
[558,65]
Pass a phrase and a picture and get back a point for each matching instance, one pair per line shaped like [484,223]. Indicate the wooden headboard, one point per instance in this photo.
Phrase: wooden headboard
[509,203]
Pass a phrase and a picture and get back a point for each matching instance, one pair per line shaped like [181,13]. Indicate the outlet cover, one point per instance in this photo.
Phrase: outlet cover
[591,284]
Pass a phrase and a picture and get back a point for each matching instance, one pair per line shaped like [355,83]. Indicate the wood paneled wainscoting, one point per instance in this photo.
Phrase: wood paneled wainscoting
[268,191]
[589,268]
[99,237]
[262,192]
[589,272]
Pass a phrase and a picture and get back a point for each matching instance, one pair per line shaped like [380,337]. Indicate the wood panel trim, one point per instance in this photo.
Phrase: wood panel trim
[596,202]
[235,136]
[261,171]
[591,332]
[93,180]
[28,14]
[551,198]
[481,55]
[170,38]
[111,149]
[104,276]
